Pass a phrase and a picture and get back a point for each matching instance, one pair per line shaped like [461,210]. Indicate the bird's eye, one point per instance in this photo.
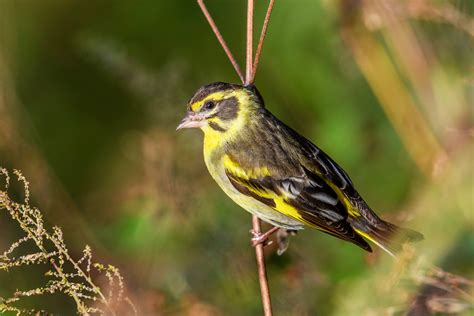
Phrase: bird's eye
[209,105]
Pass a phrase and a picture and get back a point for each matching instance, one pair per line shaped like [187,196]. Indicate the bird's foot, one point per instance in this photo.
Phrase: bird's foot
[262,238]
[283,239]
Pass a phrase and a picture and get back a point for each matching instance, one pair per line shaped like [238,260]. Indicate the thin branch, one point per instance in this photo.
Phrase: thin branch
[262,273]
[220,39]
[248,68]
[249,77]
[261,40]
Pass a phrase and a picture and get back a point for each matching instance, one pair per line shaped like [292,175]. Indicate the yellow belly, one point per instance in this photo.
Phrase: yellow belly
[264,212]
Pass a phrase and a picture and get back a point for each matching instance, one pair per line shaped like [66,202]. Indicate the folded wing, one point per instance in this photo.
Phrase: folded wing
[304,196]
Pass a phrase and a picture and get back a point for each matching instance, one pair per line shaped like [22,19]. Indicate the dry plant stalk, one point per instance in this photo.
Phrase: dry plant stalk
[441,292]
[221,40]
[262,38]
[250,73]
[393,57]
[66,275]
[438,291]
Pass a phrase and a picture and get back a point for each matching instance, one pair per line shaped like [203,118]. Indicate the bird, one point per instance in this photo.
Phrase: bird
[275,173]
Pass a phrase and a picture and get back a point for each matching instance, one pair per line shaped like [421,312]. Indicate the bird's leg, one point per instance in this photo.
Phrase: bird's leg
[259,238]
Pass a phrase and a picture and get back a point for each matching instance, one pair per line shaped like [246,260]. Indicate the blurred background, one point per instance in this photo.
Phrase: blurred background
[91,93]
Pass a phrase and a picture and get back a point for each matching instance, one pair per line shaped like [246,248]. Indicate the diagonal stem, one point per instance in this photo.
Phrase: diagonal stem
[261,40]
[248,68]
[262,273]
[220,39]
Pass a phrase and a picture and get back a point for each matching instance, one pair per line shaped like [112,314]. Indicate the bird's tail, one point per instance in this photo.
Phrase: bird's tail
[386,235]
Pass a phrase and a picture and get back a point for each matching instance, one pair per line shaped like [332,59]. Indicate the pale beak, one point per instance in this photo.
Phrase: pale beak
[192,120]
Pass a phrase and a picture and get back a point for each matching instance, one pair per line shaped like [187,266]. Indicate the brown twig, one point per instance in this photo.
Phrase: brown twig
[248,68]
[262,273]
[250,71]
[220,39]
[261,40]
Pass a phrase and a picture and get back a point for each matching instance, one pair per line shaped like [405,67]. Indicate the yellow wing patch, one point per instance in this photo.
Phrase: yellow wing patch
[284,208]
[342,197]
[246,174]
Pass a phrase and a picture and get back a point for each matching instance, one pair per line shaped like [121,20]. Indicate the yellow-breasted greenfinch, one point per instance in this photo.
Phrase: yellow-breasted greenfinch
[273,172]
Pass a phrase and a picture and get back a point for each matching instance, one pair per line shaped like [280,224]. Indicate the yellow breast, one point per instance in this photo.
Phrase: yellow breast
[216,159]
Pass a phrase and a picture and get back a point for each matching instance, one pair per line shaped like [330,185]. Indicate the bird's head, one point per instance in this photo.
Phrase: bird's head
[220,107]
